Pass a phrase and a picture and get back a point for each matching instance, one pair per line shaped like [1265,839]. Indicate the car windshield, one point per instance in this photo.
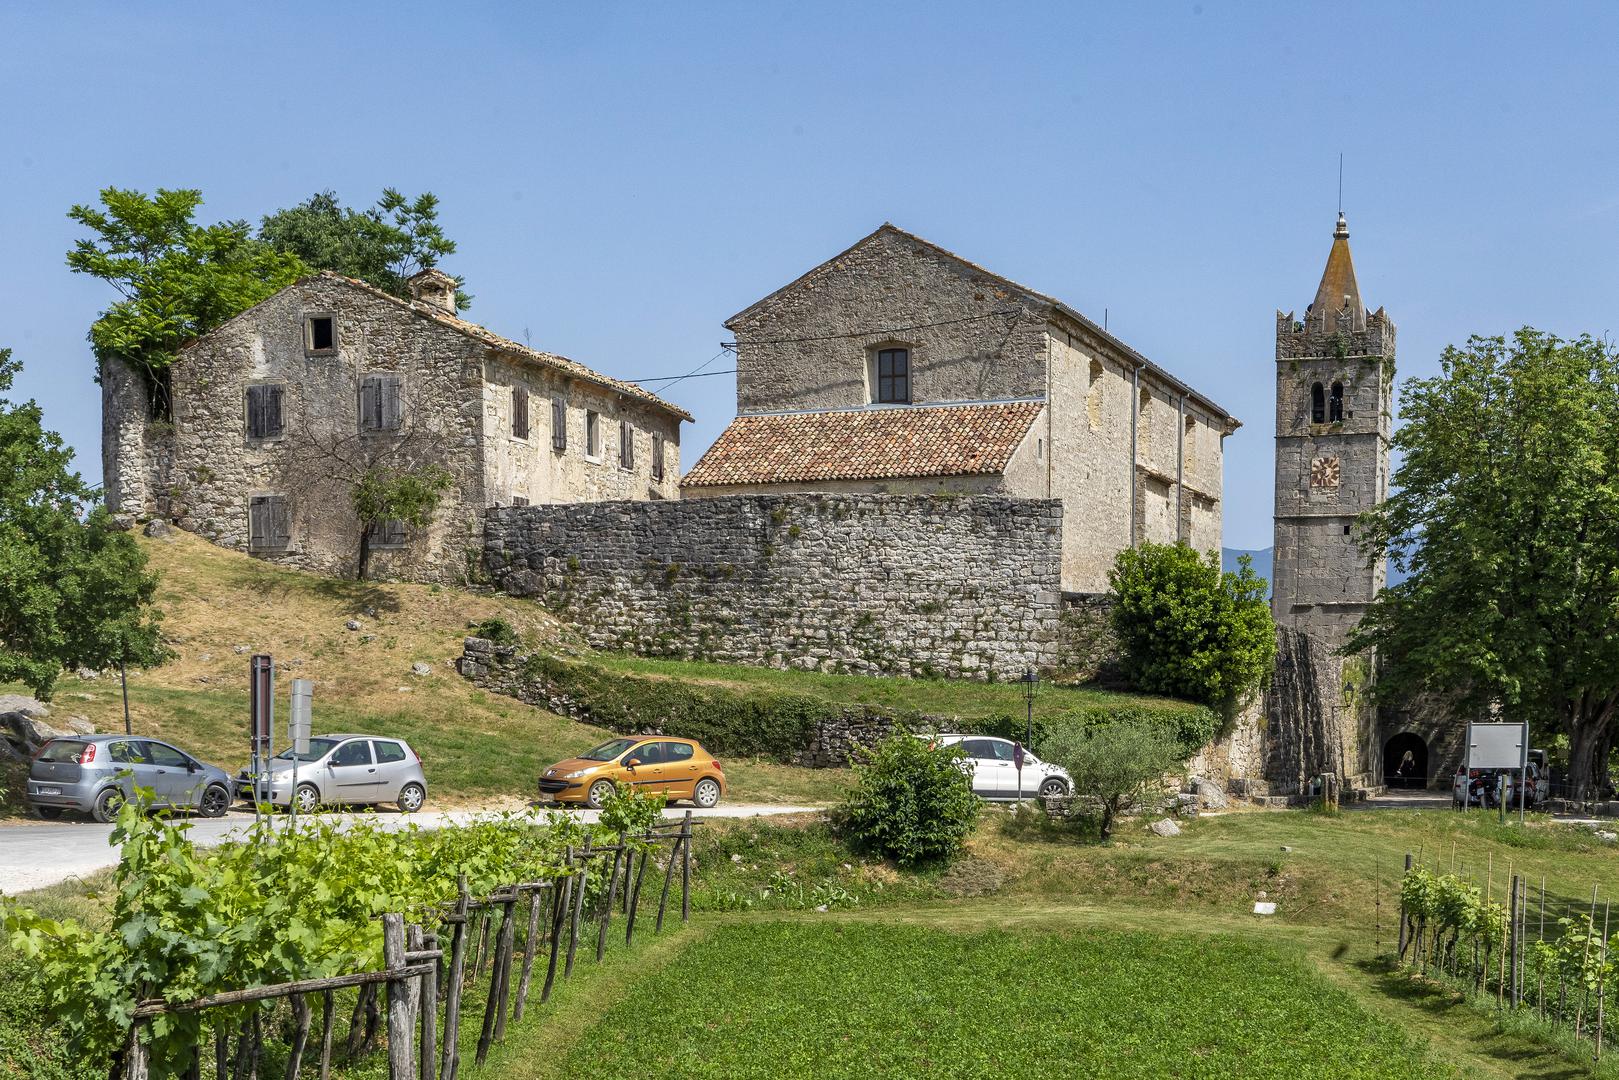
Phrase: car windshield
[318,748]
[607,751]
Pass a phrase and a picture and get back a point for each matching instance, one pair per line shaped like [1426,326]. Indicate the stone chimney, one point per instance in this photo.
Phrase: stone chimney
[433,287]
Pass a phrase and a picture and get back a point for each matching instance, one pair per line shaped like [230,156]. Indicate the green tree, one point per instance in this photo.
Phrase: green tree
[1505,519]
[911,801]
[1113,766]
[176,279]
[74,590]
[409,496]
[1188,629]
[383,245]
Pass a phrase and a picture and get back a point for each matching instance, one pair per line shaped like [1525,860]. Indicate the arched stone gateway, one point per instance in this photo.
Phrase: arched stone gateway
[1405,761]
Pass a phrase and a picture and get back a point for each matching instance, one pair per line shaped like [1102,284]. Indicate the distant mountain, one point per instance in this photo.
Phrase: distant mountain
[1260,558]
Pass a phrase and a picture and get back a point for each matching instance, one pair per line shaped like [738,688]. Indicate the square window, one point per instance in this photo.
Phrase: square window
[320,334]
[269,523]
[593,436]
[380,406]
[264,411]
[894,377]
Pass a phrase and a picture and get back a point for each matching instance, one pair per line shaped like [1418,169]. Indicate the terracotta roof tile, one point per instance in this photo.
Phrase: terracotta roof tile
[866,444]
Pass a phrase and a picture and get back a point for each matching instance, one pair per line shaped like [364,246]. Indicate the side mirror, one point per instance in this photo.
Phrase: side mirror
[192,766]
[632,763]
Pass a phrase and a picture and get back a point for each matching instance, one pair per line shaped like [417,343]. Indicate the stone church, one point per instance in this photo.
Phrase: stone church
[897,367]
[279,412]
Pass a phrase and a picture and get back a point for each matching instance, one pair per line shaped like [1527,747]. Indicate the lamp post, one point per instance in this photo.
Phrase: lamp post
[1029,681]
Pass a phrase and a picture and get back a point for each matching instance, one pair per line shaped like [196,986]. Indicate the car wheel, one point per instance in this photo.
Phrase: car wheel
[1053,789]
[215,801]
[307,798]
[707,793]
[107,805]
[49,813]
[600,792]
[411,797]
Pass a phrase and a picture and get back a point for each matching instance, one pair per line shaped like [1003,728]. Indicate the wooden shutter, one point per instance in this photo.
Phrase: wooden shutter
[519,412]
[657,457]
[392,408]
[371,403]
[559,424]
[280,522]
[269,522]
[626,445]
[263,411]
[256,515]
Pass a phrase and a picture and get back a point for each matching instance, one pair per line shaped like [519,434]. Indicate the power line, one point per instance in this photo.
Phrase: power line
[672,379]
[692,374]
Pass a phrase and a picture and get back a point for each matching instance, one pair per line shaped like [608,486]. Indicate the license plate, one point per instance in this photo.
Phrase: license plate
[50,791]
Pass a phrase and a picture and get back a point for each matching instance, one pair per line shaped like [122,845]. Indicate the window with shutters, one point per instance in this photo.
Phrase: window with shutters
[269,523]
[519,500]
[264,411]
[392,533]
[559,424]
[320,334]
[626,445]
[657,457]
[380,408]
[519,413]
[593,436]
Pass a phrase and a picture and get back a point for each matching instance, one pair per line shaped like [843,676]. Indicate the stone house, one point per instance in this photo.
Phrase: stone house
[276,414]
[900,367]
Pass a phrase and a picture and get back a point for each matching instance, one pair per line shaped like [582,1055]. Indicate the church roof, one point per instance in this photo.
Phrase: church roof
[1339,289]
[866,444]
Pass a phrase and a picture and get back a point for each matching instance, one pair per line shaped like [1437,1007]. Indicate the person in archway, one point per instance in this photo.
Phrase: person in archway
[1407,771]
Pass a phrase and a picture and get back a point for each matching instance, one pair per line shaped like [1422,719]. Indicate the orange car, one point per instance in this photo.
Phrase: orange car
[680,768]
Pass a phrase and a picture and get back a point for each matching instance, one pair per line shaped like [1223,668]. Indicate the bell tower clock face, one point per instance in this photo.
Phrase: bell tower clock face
[1325,472]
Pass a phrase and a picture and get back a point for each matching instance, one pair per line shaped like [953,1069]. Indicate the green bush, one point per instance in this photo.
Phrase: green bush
[1187,628]
[497,630]
[1191,726]
[912,802]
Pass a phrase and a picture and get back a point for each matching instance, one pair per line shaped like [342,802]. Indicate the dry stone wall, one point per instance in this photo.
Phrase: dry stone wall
[963,587]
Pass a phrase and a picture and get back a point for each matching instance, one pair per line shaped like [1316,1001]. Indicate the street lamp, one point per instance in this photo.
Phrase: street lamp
[1029,681]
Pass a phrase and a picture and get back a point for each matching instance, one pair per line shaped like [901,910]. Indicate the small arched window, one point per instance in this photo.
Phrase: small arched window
[1335,404]
[1318,404]
[894,377]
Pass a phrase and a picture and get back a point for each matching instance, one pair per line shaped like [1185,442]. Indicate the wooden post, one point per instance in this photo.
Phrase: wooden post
[560,901]
[607,908]
[136,1064]
[416,941]
[401,1003]
[529,945]
[484,915]
[452,984]
[327,1007]
[1404,915]
[222,1052]
[633,894]
[300,1036]
[503,965]
[668,876]
[578,908]
[1512,943]
[486,1036]
[685,870]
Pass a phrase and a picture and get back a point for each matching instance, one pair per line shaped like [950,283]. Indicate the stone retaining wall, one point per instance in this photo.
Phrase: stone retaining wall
[963,586]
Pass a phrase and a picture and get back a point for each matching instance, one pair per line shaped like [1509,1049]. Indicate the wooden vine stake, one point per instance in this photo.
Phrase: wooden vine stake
[402,1002]
[607,908]
[685,869]
[416,941]
[633,897]
[452,983]
[578,908]
[560,903]
[530,943]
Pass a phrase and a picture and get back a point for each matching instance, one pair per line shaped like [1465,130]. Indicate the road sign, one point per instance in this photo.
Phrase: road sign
[298,723]
[1497,746]
[261,699]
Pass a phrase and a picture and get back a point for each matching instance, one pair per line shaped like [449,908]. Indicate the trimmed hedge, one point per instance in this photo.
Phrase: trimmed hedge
[1193,726]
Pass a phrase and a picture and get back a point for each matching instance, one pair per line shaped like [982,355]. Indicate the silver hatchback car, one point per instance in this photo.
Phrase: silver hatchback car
[339,769]
[96,774]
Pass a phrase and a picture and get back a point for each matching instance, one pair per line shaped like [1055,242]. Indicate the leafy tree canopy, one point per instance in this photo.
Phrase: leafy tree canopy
[385,494]
[1187,628]
[1505,518]
[74,591]
[383,245]
[1113,766]
[176,279]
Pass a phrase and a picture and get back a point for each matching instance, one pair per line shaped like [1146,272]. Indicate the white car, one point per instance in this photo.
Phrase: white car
[993,766]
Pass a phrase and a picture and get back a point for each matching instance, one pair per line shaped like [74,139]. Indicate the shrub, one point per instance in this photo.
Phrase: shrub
[1191,726]
[912,802]
[497,630]
[1114,766]
[1187,628]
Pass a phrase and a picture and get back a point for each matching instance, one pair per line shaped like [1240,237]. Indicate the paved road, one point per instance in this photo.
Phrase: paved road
[33,856]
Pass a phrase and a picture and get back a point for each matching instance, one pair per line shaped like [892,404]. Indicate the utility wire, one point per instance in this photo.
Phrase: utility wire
[692,374]
[672,379]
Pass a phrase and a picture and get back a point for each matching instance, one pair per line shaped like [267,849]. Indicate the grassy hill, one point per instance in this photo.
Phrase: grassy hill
[221,606]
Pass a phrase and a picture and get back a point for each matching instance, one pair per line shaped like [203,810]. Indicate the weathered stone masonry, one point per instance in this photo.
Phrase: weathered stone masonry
[964,586]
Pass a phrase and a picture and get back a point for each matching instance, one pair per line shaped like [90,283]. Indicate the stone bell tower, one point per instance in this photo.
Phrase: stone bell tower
[1334,406]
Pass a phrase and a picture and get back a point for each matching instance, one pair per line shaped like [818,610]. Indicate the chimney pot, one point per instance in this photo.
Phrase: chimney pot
[435,287]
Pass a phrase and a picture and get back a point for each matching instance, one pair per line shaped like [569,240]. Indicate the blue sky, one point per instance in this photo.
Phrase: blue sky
[621,178]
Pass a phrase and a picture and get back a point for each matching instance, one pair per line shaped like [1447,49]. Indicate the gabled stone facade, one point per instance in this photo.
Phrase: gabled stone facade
[1132,453]
[277,413]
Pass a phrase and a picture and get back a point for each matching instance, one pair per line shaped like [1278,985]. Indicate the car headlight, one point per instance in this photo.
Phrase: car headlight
[576,774]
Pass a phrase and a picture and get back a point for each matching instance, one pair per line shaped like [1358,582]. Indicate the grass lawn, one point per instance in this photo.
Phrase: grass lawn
[937,697]
[852,999]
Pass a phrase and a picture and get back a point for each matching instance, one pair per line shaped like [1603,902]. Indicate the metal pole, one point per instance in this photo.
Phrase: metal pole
[123,682]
